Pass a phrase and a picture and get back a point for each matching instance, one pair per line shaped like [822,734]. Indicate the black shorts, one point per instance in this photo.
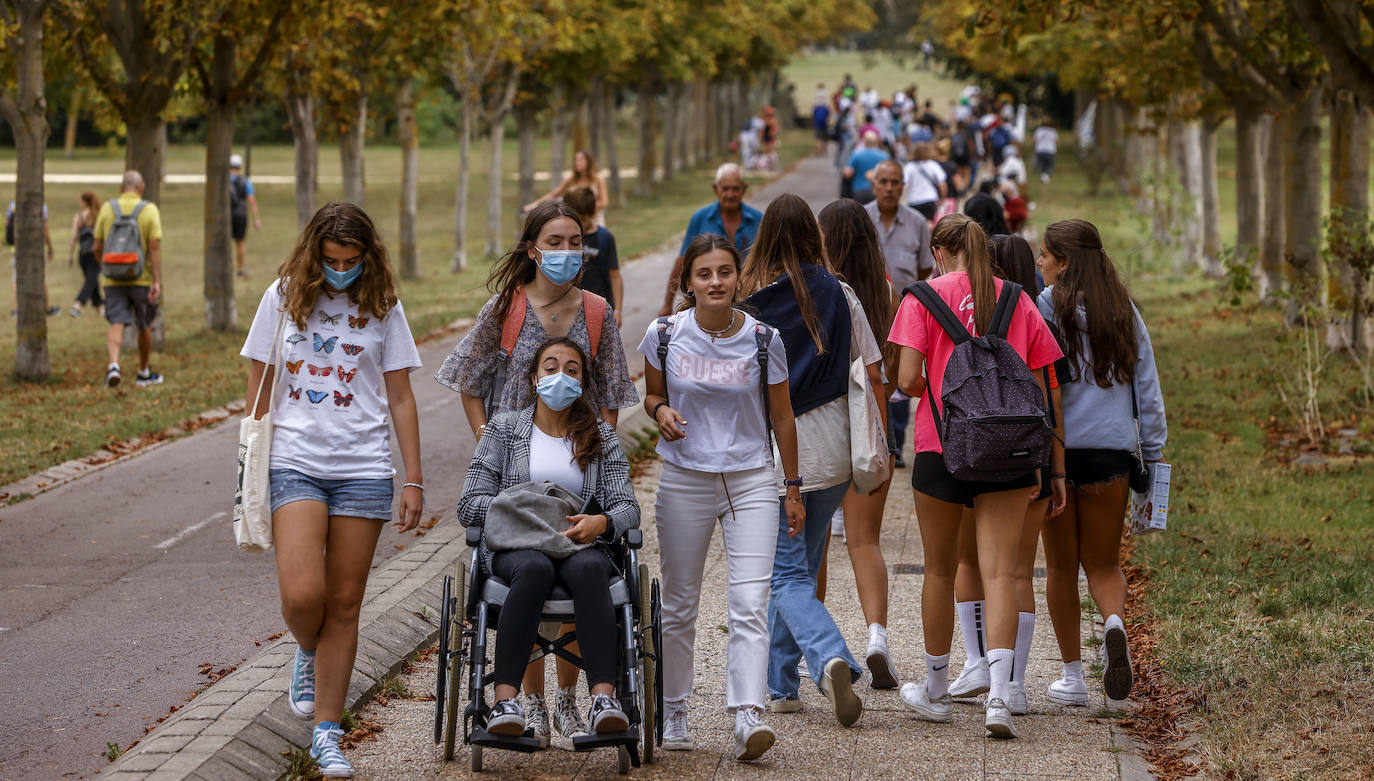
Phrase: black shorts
[1090,466]
[930,477]
[238,226]
[926,209]
[822,133]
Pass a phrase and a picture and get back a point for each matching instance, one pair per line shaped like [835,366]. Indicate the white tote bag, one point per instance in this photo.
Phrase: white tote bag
[867,439]
[253,496]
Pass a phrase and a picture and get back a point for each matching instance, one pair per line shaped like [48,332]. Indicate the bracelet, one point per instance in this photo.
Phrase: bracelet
[1058,476]
[792,499]
[414,485]
[657,406]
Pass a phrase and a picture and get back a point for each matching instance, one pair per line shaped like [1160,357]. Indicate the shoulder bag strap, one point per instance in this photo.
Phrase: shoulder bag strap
[276,367]
[594,312]
[763,335]
[1006,307]
[944,316]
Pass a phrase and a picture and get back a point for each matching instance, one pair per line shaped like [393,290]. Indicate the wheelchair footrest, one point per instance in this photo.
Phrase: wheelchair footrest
[526,743]
[605,739]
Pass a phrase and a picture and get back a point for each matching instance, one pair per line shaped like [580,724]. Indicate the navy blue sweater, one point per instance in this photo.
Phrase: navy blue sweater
[813,378]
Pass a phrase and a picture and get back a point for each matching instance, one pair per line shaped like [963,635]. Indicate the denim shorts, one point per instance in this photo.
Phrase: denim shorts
[358,498]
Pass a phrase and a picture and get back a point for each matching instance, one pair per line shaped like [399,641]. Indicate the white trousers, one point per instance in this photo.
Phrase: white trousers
[688,505]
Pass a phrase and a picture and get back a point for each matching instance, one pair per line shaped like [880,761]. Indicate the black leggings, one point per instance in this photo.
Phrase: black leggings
[531,575]
[90,287]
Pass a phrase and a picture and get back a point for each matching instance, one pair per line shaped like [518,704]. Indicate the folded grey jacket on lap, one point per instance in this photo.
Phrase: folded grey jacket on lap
[533,516]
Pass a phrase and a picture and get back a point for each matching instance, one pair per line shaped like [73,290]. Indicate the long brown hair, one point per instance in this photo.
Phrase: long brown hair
[302,274]
[92,202]
[851,244]
[704,244]
[517,267]
[957,234]
[1014,260]
[583,429]
[788,237]
[1090,280]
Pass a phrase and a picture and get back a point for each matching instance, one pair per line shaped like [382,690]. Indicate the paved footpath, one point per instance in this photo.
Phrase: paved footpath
[888,742]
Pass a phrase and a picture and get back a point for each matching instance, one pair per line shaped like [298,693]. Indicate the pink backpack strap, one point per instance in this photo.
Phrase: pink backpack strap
[594,310]
[515,320]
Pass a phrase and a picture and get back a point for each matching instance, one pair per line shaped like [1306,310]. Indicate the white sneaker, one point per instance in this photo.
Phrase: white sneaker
[1069,691]
[997,721]
[567,719]
[537,718]
[1116,670]
[837,523]
[973,680]
[752,736]
[1016,699]
[785,704]
[884,675]
[837,683]
[675,735]
[917,698]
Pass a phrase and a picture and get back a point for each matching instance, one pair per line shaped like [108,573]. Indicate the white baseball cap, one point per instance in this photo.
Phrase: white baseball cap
[235,161]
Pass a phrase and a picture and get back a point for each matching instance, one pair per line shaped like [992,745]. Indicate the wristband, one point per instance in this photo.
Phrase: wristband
[657,407]
[1059,476]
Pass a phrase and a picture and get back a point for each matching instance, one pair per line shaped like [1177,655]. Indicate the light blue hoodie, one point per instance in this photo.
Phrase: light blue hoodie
[1100,418]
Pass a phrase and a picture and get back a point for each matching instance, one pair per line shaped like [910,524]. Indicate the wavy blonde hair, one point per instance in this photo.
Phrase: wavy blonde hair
[302,274]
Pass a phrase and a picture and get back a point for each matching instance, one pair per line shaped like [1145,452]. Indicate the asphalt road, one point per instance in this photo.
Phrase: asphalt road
[116,588]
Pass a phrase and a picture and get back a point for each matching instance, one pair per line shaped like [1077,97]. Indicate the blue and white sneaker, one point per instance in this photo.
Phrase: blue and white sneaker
[325,749]
[302,692]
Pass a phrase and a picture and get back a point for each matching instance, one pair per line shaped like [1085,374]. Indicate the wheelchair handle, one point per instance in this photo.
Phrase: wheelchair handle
[634,538]
[474,536]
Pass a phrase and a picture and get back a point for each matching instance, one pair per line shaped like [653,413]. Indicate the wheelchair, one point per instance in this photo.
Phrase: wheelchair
[472,601]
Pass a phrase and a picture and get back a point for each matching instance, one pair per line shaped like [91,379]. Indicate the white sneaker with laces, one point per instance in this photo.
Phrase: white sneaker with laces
[917,698]
[997,720]
[675,735]
[606,715]
[537,718]
[567,719]
[507,718]
[1016,699]
[752,736]
[1069,691]
[879,660]
[973,680]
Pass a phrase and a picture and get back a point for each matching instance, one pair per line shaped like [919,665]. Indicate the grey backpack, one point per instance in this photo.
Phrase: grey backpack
[994,425]
[122,258]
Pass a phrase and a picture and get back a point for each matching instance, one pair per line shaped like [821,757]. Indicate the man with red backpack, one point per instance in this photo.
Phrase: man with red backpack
[128,241]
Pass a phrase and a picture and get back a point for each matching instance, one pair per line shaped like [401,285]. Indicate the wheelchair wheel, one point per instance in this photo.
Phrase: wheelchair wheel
[622,765]
[440,687]
[649,714]
[656,603]
[451,666]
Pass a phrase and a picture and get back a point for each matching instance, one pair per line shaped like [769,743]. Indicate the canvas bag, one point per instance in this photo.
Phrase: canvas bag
[867,440]
[994,425]
[253,495]
[123,252]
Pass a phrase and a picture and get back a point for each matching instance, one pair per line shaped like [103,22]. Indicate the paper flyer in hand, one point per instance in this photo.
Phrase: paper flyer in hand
[1150,510]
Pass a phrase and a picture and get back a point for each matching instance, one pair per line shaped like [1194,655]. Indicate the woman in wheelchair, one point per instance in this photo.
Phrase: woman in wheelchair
[557,440]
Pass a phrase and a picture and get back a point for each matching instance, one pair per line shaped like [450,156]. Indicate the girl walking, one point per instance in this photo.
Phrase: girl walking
[706,389]
[969,289]
[1113,366]
[83,242]
[584,174]
[348,353]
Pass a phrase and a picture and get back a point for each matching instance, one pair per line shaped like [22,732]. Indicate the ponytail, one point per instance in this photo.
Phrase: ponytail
[957,234]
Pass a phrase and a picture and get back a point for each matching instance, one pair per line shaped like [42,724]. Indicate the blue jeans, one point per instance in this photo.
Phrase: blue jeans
[798,623]
[898,415]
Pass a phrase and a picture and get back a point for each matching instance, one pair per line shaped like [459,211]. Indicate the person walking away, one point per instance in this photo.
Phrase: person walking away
[818,317]
[83,242]
[716,382]
[242,200]
[924,180]
[601,263]
[1014,208]
[729,216]
[584,174]
[1046,144]
[820,120]
[861,163]
[1113,376]
[1013,168]
[851,244]
[986,210]
[336,296]
[128,234]
[1014,261]
[10,216]
[961,153]
[961,251]
[538,277]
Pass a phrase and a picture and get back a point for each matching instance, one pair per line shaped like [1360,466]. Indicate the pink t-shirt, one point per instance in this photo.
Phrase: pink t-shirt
[915,325]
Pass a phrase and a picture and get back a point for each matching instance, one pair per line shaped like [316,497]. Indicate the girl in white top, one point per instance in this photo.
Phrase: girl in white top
[347,353]
[707,397]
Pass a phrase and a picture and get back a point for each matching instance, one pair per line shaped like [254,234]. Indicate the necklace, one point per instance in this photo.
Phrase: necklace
[714,333]
[554,317]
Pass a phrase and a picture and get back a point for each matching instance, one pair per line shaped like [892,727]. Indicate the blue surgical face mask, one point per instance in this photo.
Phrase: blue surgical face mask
[558,390]
[560,265]
[342,279]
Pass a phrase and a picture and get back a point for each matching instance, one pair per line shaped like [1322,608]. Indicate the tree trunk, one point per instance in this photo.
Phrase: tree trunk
[644,113]
[606,100]
[1211,220]
[408,133]
[1348,284]
[558,135]
[684,126]
[460,209]
[720,109]
[300,106]
[581,120]
[1275,198]
[1161,187]
[1302,216]
[25,113]
[670,130]
[73,118]
[1191,178]
[526,130]
[351,144]
[145,151]
[1249,185]
[496,138]
[221,314]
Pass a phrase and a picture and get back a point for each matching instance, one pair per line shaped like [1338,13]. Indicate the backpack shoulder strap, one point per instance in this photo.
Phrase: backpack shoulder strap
[594,312]
[114,207]
[937,307]
[763,336]
[515,320]
[134,214]
[665,335]
[1006,307]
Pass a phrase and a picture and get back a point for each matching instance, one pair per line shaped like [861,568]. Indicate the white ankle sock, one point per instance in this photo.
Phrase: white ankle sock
[1073,671]
[971,626]
[937,675]
[877,637]
[1113,621]
[999,669]
[1025,631]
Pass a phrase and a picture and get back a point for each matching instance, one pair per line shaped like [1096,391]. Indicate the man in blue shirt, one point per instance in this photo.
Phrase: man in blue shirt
[729,216]
[241,200]
[861,163]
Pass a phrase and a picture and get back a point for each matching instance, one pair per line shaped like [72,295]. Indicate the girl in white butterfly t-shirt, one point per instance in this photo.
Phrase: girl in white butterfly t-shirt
[346,352]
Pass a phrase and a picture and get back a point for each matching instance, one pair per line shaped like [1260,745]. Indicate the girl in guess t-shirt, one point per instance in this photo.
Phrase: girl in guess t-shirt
[706,395]
[347,354]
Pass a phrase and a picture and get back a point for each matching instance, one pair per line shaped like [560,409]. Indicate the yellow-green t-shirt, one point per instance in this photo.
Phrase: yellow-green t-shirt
[149,228]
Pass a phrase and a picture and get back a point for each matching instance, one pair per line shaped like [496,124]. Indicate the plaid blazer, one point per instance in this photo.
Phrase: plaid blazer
[503,460]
